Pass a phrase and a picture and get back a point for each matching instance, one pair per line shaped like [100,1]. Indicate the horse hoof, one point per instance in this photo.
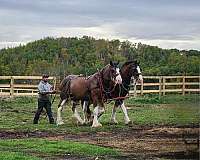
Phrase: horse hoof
[97,125]
[129,123]
[59,123]
[90,123]
[113,122]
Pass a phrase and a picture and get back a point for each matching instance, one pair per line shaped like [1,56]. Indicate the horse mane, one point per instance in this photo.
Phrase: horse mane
[127,63]
[102,70]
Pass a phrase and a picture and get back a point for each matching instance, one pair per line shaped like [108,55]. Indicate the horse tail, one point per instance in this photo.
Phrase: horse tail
[65,88]
[63,83]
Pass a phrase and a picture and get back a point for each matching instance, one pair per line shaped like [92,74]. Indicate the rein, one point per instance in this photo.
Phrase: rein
[109,92]
[53,99]
[121,86]
[121,97]
[126,89]
[102,88]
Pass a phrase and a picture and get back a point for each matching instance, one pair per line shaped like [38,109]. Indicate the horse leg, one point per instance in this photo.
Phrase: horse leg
[98,111]
[76,114]
[113,116]
[89,114]
[85,111]
[95,122]
[126,118]
[60,108]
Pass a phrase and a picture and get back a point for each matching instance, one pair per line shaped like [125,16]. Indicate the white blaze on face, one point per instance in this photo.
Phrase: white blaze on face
[139,72]
[118,79]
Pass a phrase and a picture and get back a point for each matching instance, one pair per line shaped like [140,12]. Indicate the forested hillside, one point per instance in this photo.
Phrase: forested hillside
[62,56]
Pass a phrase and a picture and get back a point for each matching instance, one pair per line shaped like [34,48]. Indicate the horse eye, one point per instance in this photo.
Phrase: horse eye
[113,70]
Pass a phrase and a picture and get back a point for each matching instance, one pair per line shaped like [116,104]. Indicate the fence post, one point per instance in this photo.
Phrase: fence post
[160,86]
[183,92]
[135,90]
[142,87]
[12,86]
[164,85]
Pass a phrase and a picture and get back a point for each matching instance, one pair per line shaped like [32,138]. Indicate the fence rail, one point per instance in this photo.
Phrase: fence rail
[168,84]
[27,85]
[21,85]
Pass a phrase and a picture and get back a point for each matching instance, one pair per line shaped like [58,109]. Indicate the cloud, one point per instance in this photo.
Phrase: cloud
[159,22]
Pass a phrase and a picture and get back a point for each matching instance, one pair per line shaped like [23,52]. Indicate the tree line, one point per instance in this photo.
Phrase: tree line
[63,56]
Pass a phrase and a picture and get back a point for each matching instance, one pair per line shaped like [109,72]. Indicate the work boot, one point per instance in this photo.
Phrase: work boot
[51,121]
[35,122]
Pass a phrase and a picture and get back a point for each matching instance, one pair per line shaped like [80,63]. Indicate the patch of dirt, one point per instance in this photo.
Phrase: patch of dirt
[18,135]
[160,142]
[136,142]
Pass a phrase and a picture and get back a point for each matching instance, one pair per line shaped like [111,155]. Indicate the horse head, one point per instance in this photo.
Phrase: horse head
[132,69]
[112,73]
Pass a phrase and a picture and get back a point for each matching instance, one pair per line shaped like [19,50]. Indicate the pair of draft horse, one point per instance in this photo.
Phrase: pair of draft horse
[108,83]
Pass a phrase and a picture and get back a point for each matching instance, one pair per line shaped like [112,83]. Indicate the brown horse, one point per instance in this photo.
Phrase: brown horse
[129,70]
[77,88]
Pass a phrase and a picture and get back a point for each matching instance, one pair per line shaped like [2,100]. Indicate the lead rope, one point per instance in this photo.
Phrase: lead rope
[119,91]
[53,99]
[126,89]
[102,88]
[101,85]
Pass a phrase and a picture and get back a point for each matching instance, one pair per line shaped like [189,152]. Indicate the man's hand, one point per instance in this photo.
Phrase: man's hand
[53,92]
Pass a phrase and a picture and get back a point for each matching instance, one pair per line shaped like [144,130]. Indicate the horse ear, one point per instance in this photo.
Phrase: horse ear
[111,63]
[117,62]
[137,62]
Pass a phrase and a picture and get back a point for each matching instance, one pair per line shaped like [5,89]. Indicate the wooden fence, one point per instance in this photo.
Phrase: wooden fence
[21,85]
[27,85]
[167,84]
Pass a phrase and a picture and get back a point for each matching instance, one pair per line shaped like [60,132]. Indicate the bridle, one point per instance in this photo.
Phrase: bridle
[127,87]
[103,91]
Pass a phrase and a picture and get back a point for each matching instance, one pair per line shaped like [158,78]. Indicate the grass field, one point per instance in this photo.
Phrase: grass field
[20,139]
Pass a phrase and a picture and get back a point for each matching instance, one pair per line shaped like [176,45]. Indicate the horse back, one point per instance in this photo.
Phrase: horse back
[78,87]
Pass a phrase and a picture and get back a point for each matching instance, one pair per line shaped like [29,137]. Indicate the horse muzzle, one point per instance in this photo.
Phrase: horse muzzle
[118,79]
[140,79]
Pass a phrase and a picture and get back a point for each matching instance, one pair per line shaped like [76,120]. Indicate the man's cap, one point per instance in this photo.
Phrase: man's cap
[45,76]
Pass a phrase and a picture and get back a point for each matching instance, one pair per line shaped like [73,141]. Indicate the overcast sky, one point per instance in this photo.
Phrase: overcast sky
[164,23]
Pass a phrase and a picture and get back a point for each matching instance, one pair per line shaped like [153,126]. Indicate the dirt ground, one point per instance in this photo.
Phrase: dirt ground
[135,142]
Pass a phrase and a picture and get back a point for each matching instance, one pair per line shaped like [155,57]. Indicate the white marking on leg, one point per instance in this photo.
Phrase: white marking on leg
[95,119]
[113,116]
[77,116]
[100,111]
[126,118]
[59,117]
[84,112]
[63,102]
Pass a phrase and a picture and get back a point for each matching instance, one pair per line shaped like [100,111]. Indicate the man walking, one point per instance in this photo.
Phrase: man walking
[44,101]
